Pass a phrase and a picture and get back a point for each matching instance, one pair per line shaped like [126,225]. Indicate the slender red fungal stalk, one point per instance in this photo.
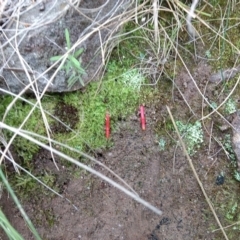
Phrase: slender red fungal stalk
[107,125]
[142,118]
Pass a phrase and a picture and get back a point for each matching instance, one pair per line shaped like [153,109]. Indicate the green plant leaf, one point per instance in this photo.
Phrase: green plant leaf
[55,58]
[67,36]
[78,53]
[20,207]
[67,67]
[81,70]
[9,230]
[72,80]
[74,61]
[81,81]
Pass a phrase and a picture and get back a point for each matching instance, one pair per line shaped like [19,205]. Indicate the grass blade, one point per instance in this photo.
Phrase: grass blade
[75,62]
[67,36]
[15,199]
[55,58]
[8,229]
[78,53]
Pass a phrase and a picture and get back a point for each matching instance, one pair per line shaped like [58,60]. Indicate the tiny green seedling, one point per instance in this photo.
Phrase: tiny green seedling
[213,105]
[208,54]
[73,64]
[162,144]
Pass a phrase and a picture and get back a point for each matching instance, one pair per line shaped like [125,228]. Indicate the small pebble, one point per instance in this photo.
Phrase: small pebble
[220,180]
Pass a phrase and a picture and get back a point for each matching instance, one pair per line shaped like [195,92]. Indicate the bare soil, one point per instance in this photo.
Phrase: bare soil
[163,178]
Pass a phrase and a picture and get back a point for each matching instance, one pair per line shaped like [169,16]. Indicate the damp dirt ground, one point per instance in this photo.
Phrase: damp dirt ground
[161,177]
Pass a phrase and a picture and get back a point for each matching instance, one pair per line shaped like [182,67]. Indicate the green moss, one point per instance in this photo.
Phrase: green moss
[111,95]
[15,117]
[27,187]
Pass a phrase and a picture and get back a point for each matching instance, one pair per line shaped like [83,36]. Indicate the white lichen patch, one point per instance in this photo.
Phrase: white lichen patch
[133,79]
[230,106]
[192,135]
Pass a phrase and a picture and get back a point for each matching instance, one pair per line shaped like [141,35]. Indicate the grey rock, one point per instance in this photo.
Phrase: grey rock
[30,38]
[223,75]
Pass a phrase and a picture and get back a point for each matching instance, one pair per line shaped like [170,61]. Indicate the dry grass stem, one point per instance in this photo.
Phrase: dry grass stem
[83,166]
[196,175]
